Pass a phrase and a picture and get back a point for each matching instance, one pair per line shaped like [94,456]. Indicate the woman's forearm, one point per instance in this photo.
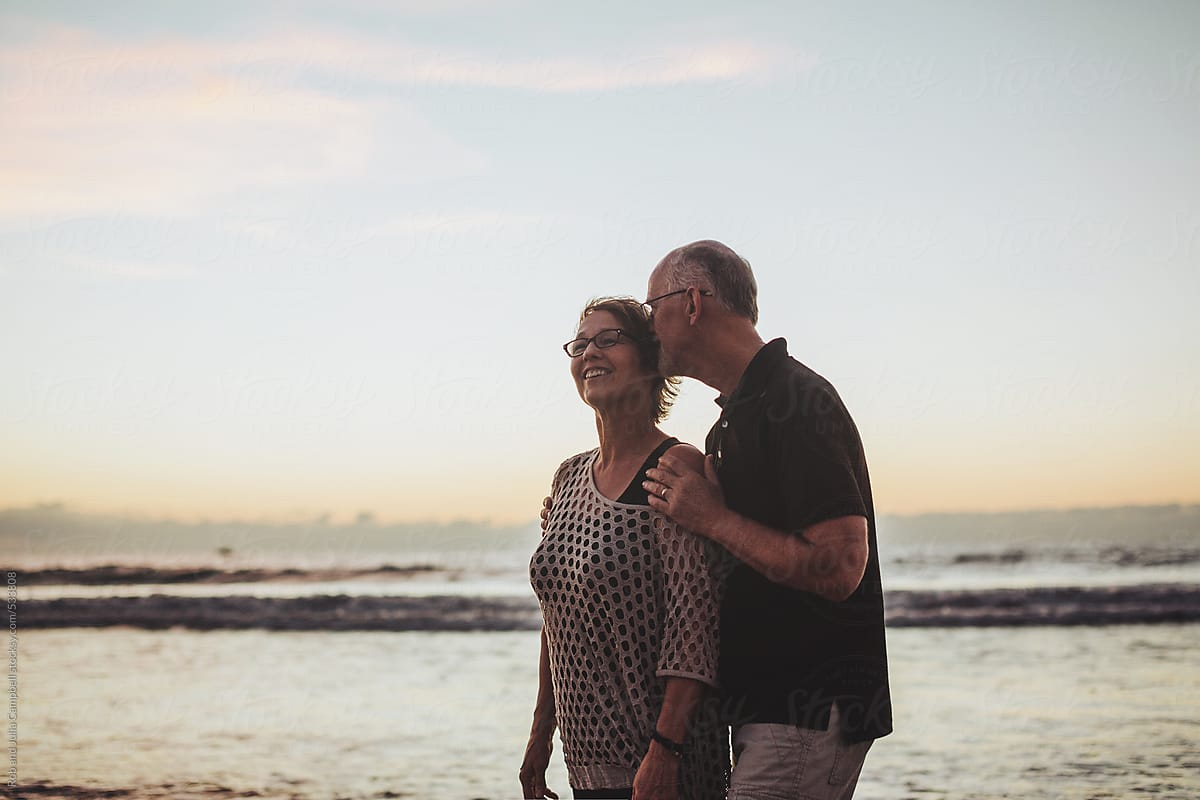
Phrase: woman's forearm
[682,696]
[658,774]
[544,720]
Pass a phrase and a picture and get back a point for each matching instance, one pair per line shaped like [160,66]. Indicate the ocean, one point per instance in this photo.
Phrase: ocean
[1031,656]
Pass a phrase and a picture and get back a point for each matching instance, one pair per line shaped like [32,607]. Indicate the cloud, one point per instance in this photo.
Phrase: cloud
[645,68]
[165,127]
[168,125]
[459,223]
[163,154]
[74,63]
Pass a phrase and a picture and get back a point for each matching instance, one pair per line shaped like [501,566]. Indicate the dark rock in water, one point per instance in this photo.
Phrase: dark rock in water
[1003,557]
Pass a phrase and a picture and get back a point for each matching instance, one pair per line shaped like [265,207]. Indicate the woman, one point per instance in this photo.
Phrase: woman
[629,601]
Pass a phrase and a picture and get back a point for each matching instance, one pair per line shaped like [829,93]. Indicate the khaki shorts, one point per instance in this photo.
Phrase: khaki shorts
[783,762]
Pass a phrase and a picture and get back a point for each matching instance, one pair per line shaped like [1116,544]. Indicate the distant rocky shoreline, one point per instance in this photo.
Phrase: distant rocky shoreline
[114,575]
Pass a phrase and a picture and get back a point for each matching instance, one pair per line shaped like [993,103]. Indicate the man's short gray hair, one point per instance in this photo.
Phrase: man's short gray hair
[712,265]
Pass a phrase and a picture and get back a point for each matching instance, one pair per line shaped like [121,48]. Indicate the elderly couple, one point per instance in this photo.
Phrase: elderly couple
[650,551]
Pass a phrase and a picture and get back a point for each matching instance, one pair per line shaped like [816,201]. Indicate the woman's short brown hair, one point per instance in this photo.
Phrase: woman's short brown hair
[635,322]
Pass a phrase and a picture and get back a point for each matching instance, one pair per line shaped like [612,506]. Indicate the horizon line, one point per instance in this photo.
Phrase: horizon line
[367,518]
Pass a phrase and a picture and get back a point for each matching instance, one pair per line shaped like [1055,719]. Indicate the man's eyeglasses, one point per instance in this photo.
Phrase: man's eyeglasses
[605,338]
[649,304]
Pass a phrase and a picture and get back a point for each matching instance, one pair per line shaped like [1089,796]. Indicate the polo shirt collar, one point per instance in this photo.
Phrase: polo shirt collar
[754,380]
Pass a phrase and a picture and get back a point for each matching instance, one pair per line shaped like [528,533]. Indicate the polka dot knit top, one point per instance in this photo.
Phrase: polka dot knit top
[628,600]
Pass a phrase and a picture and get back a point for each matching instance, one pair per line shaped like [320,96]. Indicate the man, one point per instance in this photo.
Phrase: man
[785,490]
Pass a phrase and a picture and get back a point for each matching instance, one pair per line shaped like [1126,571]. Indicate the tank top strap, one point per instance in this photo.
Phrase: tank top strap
[634,493]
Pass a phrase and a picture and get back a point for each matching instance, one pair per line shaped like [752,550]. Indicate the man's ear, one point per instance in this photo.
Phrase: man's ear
[693,308]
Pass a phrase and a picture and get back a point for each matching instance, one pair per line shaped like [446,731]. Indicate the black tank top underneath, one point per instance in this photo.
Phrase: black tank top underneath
[634,494]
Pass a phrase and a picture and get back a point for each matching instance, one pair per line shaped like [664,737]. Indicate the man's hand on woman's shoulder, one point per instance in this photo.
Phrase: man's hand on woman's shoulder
[684,486]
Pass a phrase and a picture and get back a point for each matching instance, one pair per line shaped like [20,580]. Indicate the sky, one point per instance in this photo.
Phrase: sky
[287,261]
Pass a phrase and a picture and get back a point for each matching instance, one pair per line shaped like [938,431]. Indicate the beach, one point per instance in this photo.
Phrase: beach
[1034,712]
[1023,664]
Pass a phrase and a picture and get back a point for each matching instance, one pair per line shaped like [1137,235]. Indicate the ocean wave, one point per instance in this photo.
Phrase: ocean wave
[1104,605]
[1111,558]
[316,612]
[958,608]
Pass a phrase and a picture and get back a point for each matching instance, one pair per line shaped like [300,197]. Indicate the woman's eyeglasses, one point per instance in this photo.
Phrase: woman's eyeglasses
[605,338]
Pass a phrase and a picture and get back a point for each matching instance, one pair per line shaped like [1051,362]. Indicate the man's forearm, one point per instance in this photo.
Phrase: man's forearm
[828,559]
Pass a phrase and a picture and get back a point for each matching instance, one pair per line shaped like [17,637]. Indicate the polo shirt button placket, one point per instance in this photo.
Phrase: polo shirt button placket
[721,443]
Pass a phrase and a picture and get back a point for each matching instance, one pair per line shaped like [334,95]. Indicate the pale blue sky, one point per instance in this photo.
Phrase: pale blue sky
[303,258]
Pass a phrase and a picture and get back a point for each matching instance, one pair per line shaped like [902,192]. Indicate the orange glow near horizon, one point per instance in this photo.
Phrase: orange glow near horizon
[914,487]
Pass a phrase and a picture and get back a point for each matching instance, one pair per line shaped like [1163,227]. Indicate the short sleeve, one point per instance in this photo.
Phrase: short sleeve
[692,591]
[820,458]
[556,483]
[560,485]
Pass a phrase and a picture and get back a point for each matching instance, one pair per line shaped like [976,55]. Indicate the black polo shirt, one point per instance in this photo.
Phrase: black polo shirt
[788,456]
